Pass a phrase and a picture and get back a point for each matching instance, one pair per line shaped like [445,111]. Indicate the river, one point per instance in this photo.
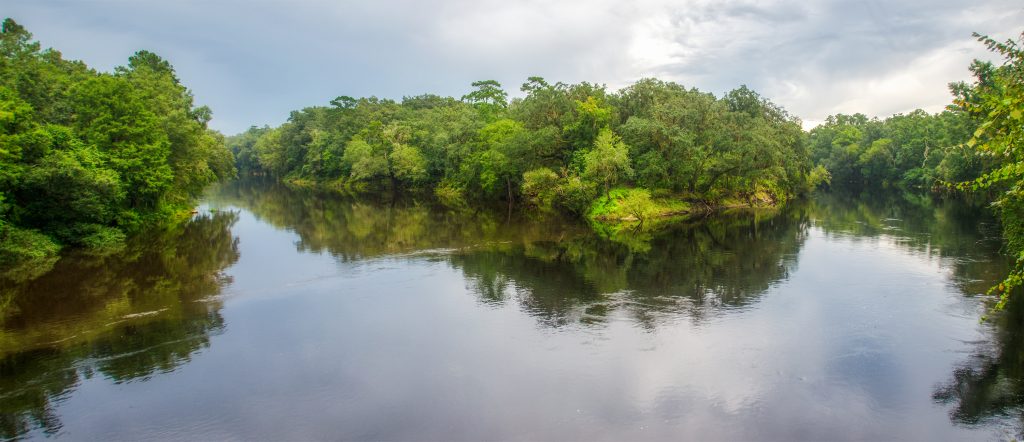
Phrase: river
[290,314]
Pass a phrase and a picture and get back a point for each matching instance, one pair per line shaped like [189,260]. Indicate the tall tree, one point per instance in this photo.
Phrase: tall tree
[608,163]
[489,98]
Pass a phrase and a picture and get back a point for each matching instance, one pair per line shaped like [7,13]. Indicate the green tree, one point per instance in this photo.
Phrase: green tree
[684,143]
[111,115]
[996,99]
[608,163]
[88,157]
[500,157]
[364,163]
[540,186]
[243,147]
[407,164]
[489,98]
[878,162]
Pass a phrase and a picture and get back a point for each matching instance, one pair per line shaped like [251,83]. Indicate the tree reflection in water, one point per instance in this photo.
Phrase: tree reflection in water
[563,274]
[988,387]
[693,270]
[150,308]
[126,316]
[559,270]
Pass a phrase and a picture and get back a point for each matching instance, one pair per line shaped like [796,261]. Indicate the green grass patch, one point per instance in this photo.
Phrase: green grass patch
[25,254]
[636,205]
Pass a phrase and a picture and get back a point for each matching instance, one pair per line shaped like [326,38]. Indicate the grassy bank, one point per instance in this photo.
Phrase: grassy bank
[634,205]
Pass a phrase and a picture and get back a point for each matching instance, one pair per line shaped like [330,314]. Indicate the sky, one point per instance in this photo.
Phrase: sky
[254,61]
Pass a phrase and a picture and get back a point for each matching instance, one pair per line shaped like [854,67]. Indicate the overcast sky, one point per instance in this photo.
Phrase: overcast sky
[253,61]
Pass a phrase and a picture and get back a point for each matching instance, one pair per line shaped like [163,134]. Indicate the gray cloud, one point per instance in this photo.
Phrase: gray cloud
[826,57]
[254,61]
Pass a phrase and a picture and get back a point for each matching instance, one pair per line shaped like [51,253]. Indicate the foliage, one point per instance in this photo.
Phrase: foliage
[689,141]
[86,157]
[608,162]
[625,205]
[25,253]
[449,195]
[915,150]
[243,148]
[489,99]
[638,204]
[362,162]
[540,186]
[819,176]
[560,146]
[575,194]
[996,101]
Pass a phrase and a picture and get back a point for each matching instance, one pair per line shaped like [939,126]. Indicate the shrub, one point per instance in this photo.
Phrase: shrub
[540,186]
[638,203]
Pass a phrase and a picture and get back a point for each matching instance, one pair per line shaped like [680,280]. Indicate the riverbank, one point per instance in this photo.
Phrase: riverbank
[638,205]
[619,206]
[26,254]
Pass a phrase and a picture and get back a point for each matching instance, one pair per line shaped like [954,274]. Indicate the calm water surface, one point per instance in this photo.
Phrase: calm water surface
[287,314]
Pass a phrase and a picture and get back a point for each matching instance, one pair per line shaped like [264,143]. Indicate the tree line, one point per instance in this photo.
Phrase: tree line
[561,146]
[915,150]
[87,157]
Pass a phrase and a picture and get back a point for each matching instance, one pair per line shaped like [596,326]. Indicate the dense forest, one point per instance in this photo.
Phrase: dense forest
[87,157]
[573,147]
[916,150]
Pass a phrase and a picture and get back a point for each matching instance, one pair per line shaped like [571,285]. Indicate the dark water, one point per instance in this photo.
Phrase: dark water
[288,315]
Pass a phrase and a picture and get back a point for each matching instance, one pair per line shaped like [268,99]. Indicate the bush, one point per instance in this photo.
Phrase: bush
[540,186]
[624,205]
[575,195]
[24,253]
[637,202]
[69,187]
[818,177]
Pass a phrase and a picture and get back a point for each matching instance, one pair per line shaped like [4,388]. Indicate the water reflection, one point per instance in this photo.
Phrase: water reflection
[559,271]
[988,387]
[125,316]
[562,275]
[689,270]
[393,318]
[963,232]
[352,229]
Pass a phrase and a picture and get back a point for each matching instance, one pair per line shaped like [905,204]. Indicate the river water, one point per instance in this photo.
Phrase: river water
[288,314]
